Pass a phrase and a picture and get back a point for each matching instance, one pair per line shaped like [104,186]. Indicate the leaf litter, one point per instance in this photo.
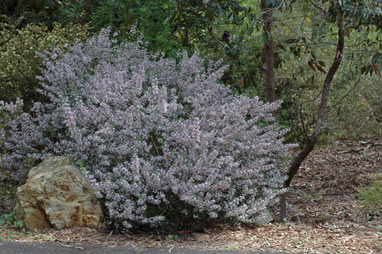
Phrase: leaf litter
[325,215]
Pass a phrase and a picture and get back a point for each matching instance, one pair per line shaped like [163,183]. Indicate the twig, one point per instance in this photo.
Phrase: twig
[215,37]
[301,115]
[318,7]
[347,93]
[107,237]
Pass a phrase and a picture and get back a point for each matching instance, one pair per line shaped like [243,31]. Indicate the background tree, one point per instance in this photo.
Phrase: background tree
[346,14]
[269,53]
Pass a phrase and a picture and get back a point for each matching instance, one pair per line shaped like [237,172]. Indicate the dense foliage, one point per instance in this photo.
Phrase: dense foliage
[19,64]
[161,142]
[371,198]
[302,38]
[24,12]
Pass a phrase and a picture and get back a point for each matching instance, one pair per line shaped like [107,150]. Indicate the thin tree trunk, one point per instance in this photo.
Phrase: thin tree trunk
[296,163]
[269,52]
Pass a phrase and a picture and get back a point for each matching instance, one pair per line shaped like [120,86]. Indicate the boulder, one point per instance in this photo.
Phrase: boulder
[57,195]
[263,218]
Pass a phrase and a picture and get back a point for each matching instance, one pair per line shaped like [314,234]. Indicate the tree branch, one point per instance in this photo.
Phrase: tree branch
[215,37]
[318,7]
[269,51]
[296,163]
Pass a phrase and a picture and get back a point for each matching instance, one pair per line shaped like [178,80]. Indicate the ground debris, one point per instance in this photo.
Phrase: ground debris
[323,194]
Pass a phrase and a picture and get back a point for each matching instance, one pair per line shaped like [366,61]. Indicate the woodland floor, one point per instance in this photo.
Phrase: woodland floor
[327,216]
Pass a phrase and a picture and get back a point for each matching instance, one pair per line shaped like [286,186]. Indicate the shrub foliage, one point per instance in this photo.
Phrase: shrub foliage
[19,64]
[371,198]
[162,143]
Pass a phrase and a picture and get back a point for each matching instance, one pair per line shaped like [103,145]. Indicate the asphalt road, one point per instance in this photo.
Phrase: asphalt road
[54,248]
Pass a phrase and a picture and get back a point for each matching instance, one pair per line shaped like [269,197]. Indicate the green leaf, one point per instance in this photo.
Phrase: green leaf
[291,41]
[251,29]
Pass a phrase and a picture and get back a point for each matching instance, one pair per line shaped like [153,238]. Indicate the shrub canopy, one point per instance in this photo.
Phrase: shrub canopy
[162,143]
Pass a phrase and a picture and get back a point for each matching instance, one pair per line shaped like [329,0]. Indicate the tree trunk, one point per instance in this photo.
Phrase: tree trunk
[269,52]
[296,163]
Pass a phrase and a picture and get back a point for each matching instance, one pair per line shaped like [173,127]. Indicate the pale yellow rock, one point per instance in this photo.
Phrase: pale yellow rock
[57,195]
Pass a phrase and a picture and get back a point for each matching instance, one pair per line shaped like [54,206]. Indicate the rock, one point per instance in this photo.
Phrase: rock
[57,195]
[263,218]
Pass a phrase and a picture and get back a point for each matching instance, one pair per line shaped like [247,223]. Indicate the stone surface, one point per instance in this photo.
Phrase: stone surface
[263,218]
[57,195]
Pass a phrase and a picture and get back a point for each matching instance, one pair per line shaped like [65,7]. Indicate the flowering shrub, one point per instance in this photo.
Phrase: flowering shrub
[159,141]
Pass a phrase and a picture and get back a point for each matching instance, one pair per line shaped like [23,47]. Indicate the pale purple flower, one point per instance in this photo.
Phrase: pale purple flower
[150,134]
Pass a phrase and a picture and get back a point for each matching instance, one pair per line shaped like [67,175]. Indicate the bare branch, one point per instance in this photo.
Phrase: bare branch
[318,7]
[215,37]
